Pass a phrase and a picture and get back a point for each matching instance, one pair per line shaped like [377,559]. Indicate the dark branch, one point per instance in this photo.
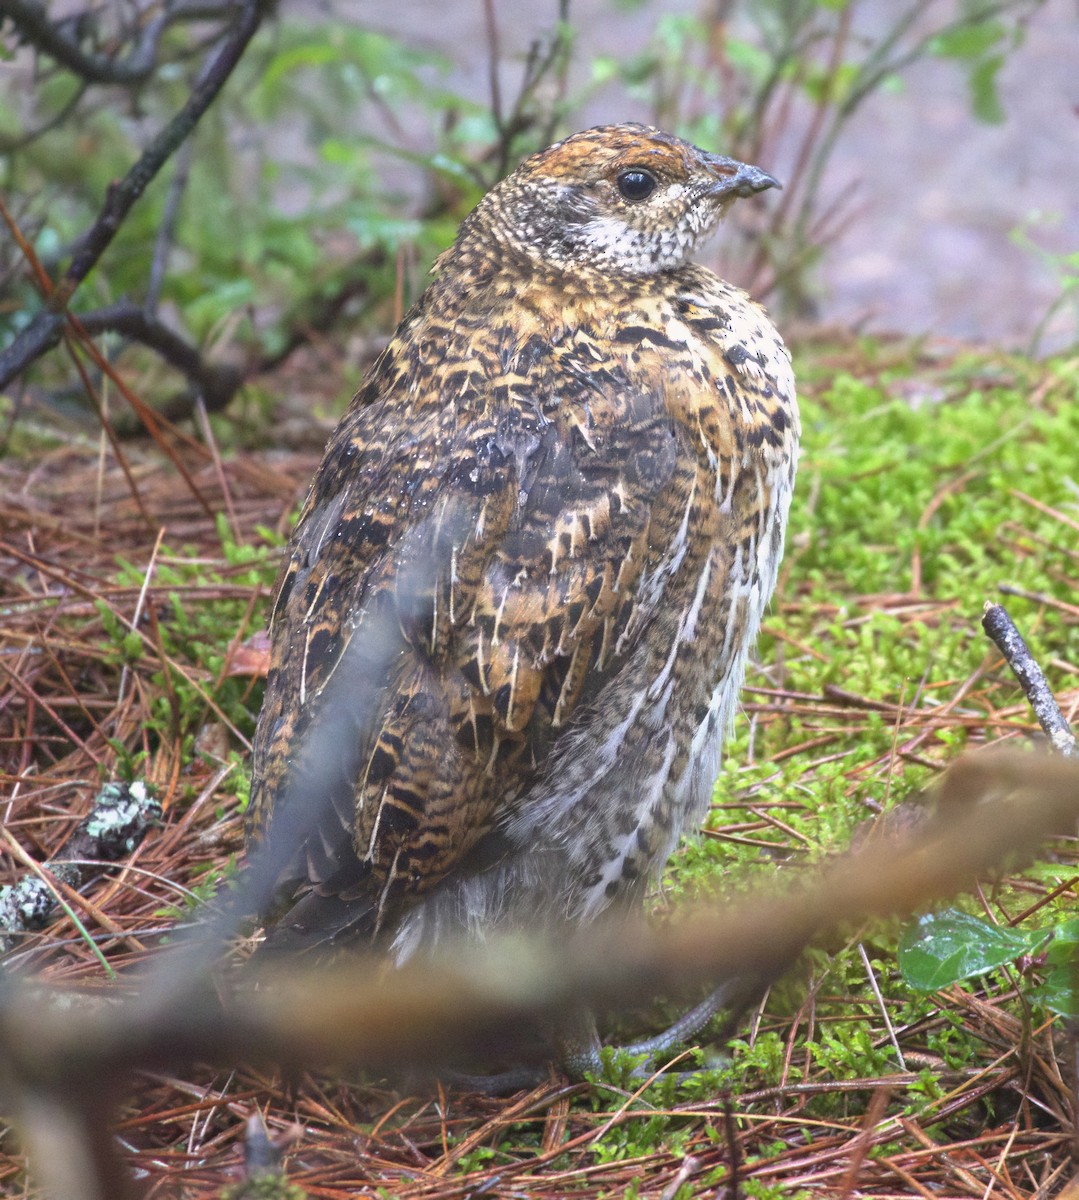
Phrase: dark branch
[1001,629]
[39,335]
[11,145]
[52,37]
[31,20]
[993,805]
[123,195]
[217,384]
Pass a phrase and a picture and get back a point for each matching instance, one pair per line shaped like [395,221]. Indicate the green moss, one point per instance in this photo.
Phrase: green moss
[180,653]
[909,514]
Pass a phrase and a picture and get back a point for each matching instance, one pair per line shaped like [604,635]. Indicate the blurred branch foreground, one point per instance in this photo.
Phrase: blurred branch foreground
[64,1055]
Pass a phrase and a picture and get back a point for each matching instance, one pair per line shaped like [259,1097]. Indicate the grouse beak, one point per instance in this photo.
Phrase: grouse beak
[735,178]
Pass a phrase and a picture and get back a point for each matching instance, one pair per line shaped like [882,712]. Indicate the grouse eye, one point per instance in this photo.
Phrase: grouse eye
[636,184]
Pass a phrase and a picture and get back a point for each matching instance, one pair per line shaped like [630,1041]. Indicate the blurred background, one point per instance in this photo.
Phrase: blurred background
[923,262]
[957,176]
[929,151]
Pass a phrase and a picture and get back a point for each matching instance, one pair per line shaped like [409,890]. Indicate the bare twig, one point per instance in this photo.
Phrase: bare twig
[1001,629]
[216,383]
[994,804]
[40,28]
[493,63]
[38,335]
[36,26]
[11,145]
[863,1143]
[65,1132]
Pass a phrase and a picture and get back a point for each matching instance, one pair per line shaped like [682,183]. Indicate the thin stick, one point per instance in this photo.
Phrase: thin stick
[872,976]
[863,1143]
[206,429]
[1002,631]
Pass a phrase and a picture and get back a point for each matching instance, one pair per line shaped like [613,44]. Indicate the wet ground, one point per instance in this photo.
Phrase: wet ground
[930,246]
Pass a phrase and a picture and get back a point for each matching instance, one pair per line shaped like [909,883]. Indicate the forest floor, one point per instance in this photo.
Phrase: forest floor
[134,594]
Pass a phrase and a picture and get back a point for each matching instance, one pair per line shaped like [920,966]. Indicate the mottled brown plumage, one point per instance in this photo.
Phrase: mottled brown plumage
[564,484]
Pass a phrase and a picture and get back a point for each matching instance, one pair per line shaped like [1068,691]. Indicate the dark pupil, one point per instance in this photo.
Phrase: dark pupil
[636,185]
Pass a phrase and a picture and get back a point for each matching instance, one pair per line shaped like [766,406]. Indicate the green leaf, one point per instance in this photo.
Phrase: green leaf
[385,229]
[749,59]
[984,97]
[1059,990]
[968,41]
[605,69]
[942,948]
[216,303]
[1063,949]
[833,86]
